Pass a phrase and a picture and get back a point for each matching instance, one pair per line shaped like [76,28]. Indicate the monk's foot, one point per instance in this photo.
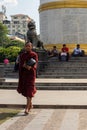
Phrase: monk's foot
[26,111]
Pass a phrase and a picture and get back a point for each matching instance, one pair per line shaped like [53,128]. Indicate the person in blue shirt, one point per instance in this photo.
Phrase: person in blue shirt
[78,51]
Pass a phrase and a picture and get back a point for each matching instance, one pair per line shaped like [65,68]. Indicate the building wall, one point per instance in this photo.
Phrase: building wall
[18,24]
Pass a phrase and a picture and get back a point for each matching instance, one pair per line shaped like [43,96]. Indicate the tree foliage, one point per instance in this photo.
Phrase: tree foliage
[3,35]
[10,53]
[8,48]
[16,43]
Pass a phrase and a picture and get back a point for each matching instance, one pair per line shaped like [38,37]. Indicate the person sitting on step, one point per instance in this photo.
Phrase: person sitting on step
[64,54]
[53,52]
[78,51]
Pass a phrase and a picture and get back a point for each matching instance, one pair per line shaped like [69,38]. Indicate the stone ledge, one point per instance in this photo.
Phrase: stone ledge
[41,106]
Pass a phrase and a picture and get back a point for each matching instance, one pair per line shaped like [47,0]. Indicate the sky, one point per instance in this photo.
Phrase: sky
[27,7]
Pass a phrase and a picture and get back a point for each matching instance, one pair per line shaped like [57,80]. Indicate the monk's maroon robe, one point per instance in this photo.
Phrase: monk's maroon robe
[26,84]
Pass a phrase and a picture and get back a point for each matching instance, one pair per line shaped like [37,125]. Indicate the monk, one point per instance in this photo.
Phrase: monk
[27,75]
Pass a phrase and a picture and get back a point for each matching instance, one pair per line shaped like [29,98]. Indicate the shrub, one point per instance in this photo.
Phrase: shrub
[10,52]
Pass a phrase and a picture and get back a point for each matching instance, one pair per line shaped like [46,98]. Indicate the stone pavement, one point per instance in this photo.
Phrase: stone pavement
[49,108]
[47,98]
[48,119]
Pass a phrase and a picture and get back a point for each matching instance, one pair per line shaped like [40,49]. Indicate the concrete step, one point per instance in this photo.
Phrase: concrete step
[70,61]
[65,71]
[49,86]
[67,64]
[56,72]
[2,80]
[63,76]
[76,67]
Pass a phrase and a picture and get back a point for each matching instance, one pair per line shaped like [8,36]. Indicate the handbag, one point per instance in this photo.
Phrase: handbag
[31,62]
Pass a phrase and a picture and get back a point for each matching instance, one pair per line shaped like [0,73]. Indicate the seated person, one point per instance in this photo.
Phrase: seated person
[64,54]
[53,52]
[77,51]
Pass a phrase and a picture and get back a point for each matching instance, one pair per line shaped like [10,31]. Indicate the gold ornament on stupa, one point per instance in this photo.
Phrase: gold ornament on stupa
[64,4]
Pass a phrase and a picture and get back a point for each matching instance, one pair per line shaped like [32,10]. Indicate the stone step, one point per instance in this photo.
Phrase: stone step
[11,74]
[57,74]
[62,72]
[10,68]
[48,83]
[70,58]
[48,86]
[66,66]
[57,71]
[2,80]
[63,67]
[76,67]
[67,63]
[62,87]
[58,64]
[63,76]
[70,61]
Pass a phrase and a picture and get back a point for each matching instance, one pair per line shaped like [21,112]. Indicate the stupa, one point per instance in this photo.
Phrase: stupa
[63,21]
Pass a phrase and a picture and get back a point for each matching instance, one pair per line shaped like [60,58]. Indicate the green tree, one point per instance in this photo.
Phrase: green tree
[16,43]
[3,35]
[10,53]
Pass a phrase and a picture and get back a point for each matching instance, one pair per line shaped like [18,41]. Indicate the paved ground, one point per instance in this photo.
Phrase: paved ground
[50,118]
[45,98]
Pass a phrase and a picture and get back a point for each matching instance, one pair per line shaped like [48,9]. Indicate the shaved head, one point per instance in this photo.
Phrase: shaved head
[28,43]
[28,46]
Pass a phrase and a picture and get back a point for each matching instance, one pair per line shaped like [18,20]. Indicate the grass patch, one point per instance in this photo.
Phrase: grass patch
[6,113]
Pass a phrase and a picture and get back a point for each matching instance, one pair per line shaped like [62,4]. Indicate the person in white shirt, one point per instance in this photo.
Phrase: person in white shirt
[78,51]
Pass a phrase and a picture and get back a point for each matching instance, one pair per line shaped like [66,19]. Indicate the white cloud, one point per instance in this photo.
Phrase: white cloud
[9,2]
